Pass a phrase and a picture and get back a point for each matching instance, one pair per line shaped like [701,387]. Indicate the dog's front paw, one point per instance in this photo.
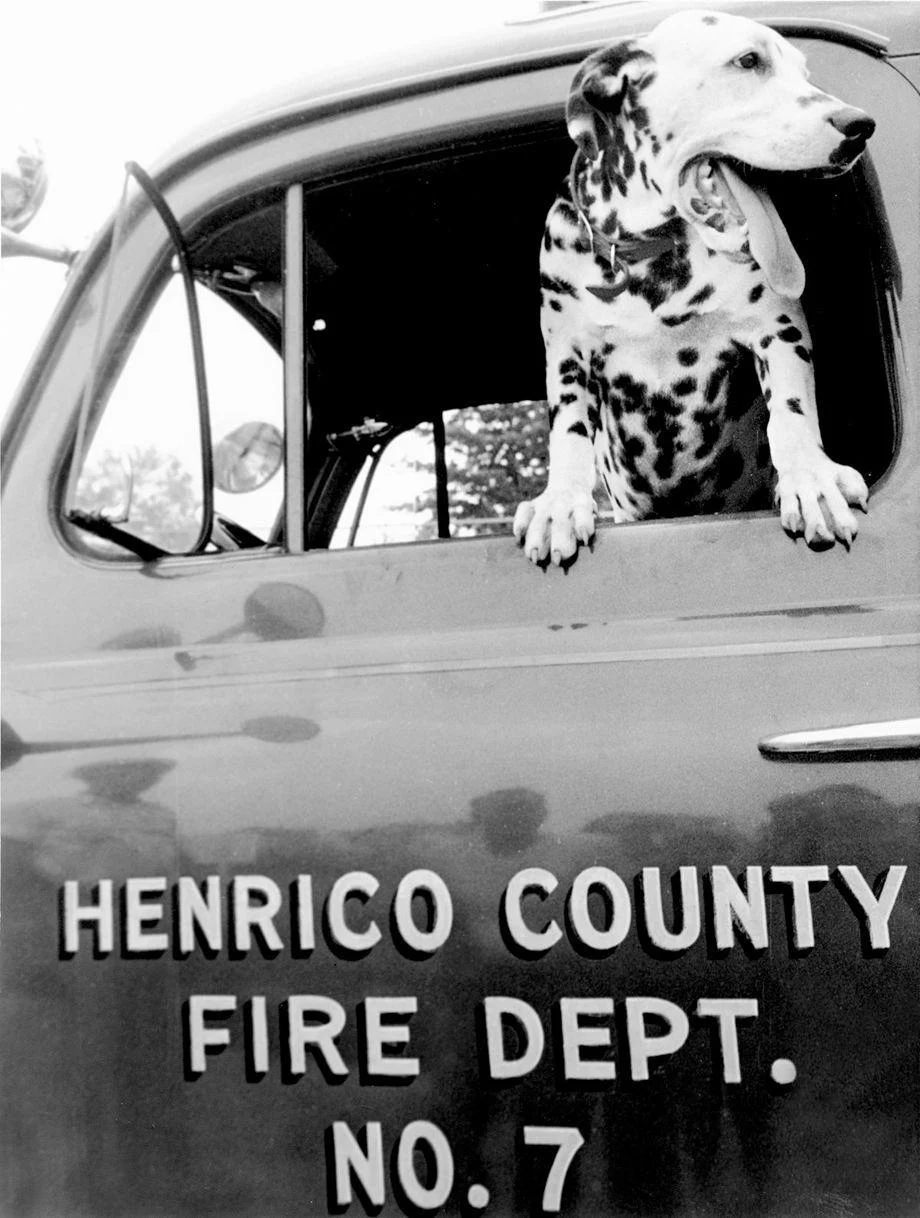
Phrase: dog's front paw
[553,524]
[814,497]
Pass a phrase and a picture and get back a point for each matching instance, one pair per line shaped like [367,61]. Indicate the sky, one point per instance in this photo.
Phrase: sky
[99,82]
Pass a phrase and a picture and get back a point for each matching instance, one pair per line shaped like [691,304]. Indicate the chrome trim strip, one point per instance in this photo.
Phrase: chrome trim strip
[900,736]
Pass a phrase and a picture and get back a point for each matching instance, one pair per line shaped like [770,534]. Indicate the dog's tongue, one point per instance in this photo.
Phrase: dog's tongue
[767,236]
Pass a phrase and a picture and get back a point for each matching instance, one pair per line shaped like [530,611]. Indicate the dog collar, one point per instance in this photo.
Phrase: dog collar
[620,252]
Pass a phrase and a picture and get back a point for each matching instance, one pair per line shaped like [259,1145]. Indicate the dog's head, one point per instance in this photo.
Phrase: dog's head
[695,102]
[715,84]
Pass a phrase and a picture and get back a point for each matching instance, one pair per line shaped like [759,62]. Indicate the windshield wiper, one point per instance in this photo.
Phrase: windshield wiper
[101,526]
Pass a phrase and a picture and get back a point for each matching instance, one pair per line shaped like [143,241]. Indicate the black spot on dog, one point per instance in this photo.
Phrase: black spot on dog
[666,274]
[630,393]
[684,386]
[567,211]
[555,306]
[710,20]
[628,164]
[804,354]
[783,320]
[566,399]
[703,294]
[795,405]
[715,382]
[766,340]
[730,469]
[790,335]
[679,320]
[578,429]
[633,447]
[756,293]
[552,283]
[688,356]
[710,425]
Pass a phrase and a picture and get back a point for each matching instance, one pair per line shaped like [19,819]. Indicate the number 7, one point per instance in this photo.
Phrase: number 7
[569,1141]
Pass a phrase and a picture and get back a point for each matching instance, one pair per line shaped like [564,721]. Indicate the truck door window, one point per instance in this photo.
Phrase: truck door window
[142,469]
[444,315]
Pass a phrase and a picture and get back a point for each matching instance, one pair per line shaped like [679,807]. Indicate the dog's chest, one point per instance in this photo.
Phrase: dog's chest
[678,427]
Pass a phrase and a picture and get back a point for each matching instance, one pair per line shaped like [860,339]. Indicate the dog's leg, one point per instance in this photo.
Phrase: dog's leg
[553,524]
[813,492]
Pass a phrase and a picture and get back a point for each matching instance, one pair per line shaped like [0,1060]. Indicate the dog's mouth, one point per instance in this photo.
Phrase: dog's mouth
[736,215]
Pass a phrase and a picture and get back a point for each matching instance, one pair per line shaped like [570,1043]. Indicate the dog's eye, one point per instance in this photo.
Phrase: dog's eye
[749,61]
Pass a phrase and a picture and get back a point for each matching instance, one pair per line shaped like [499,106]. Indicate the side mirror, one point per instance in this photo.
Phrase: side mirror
[247,458]
[23,185]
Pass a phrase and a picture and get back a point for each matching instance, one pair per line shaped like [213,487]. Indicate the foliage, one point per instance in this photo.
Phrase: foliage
[496,456]
[145,491]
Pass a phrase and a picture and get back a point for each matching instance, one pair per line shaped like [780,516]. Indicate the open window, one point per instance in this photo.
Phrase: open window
[422,353]
[426,376]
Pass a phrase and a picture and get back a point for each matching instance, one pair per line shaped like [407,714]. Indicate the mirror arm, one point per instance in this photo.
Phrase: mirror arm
[14,246]
[153,193]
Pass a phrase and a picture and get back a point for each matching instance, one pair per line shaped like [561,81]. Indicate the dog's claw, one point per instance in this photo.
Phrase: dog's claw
[815,501]
[554,525]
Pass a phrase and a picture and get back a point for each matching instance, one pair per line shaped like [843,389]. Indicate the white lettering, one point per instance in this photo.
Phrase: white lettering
[258,1034]
[433,1197]
[877,909]
[365,885]
[800,880]
[200,1037]
[606,939]
[733,907]
[303,899]
[530,1037]
[201,910]
[255,900]
[643,1047]
[531,879]
[728,1011]
[661,937]
[576,1036]
[379,1034]
[417,940]
[139,914]
[320,1035]
[351,1159]
[100,914]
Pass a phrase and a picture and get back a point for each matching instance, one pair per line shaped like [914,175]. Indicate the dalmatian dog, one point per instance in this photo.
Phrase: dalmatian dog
[668,280]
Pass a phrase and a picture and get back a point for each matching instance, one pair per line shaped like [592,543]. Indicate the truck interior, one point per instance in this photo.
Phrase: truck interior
[422,300]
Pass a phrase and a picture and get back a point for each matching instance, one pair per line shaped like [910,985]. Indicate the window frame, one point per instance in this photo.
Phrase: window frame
[283,161]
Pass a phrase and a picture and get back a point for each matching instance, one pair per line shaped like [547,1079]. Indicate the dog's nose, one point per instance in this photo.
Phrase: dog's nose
[852,124]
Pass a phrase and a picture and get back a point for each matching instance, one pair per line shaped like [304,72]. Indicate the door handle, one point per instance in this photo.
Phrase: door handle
[894,738]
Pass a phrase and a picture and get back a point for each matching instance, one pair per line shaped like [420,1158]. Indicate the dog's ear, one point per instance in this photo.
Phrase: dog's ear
[597,93]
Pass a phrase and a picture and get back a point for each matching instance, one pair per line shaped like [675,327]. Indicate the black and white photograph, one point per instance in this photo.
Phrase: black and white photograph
[460,609]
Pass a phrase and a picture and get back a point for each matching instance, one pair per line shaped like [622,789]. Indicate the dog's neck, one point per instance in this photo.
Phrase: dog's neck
[619,194]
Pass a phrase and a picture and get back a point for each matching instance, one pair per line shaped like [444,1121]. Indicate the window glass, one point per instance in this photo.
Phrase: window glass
[143,467]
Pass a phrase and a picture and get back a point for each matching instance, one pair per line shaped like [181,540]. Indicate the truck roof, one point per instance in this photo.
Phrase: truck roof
[889,27]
